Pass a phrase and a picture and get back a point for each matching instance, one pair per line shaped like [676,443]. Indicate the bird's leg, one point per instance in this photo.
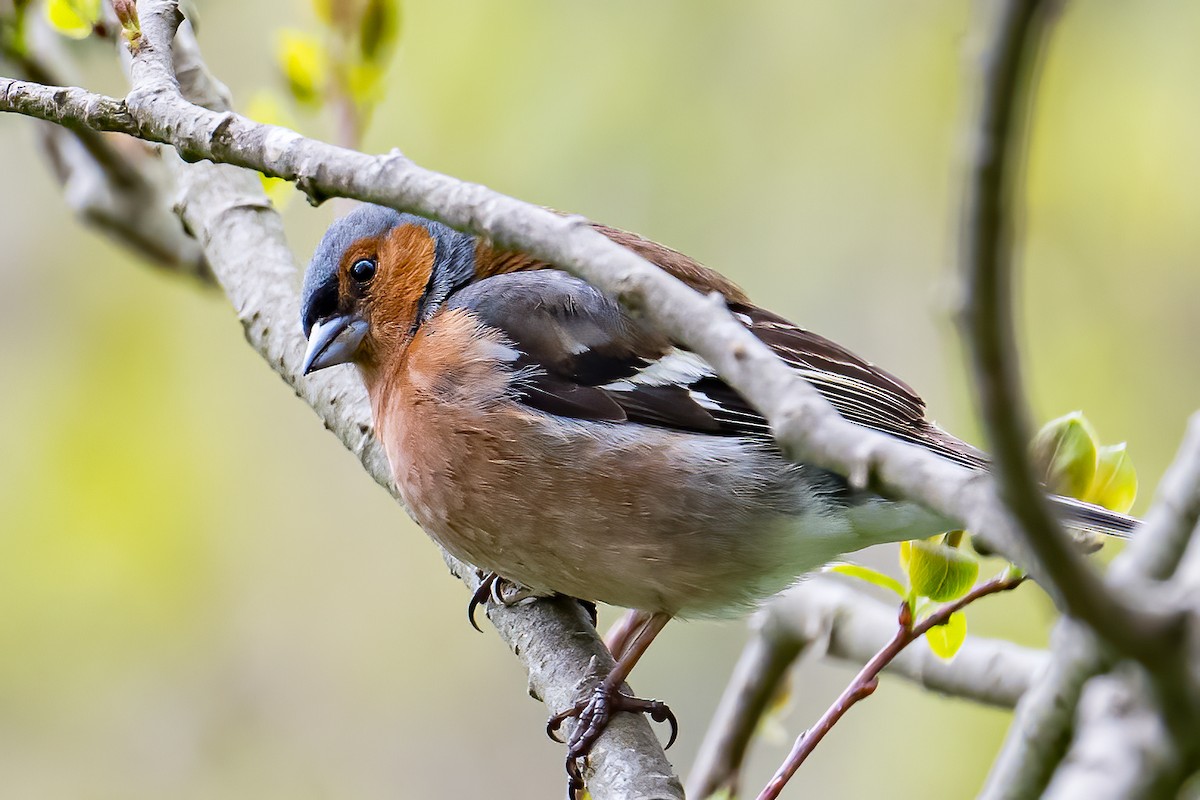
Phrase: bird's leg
[592,714]
[619,636]
[498,590]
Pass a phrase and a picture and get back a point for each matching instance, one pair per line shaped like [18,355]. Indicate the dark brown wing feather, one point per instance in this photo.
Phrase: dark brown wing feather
[491,261]
[673,262]
[860,391]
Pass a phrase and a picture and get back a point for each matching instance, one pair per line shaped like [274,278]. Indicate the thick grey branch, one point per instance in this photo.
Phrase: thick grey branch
[244,241]
[806,426]
[1041,728]
[1124,751]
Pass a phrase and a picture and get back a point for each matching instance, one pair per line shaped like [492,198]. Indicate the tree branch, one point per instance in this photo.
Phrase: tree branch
[806,426]
[1124,751]
[867,680]
[243,238]
[1041,729]
[119,190]
[828,617]
[1009,64]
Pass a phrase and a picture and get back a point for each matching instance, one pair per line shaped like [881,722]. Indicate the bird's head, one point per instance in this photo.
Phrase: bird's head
[375,277]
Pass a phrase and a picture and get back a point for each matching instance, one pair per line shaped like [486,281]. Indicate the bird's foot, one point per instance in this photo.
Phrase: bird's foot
[504,592]
[500,591]
[592,715]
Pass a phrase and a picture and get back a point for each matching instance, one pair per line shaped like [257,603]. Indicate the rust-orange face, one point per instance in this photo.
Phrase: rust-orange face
[375,277]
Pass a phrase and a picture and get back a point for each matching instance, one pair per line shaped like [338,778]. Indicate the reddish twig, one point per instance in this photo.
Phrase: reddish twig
[867,679]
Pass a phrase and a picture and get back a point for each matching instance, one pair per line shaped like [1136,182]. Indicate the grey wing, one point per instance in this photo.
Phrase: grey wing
[581,355]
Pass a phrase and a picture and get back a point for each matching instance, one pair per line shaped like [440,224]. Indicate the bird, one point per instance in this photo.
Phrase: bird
[543,433]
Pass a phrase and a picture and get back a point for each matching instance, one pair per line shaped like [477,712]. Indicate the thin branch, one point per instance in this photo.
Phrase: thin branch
[757,678]
[44,61]
[119,190]
[866,681]
[828,617]
[806,427]
[989,671]
[1009,64]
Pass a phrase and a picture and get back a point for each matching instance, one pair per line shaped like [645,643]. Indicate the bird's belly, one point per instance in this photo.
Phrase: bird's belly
[630,515]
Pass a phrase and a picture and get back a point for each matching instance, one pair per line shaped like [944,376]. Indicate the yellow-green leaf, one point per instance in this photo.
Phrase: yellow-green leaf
[305,65]
[945,640]
[940,572]
[73,18]
[870,576]
[1115,484]
[378,30]
[1065,452]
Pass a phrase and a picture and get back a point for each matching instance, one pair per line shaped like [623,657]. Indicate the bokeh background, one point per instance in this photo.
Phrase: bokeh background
[202,595]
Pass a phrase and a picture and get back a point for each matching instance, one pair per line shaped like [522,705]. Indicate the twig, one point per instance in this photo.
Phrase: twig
[827,617]
[866,681]
[119,191]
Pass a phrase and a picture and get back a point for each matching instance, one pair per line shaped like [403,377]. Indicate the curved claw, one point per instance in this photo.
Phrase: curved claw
[554,723]
[661,712]
[485,590]
[575,784]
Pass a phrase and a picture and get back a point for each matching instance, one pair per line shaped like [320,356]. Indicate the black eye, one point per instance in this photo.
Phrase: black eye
[363,270]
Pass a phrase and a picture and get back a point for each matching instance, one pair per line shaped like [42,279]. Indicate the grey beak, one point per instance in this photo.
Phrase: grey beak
[333,341]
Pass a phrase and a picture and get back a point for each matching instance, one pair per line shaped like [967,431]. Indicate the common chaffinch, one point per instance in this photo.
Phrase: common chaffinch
[538,430]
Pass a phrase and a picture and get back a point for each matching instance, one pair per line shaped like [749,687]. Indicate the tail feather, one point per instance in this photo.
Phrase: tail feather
[1088,517]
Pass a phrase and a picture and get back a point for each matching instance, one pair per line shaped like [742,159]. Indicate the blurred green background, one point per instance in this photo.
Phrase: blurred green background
[202,595]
